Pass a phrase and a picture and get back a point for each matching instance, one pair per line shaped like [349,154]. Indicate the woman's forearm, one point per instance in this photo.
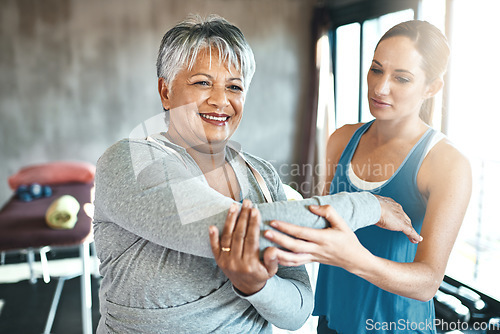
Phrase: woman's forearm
[415,280]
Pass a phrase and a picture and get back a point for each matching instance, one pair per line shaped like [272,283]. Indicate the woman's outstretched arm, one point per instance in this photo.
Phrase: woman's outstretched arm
[154,195]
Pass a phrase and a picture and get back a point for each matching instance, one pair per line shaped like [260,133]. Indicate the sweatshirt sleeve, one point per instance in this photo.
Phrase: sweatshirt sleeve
[286,300]
[358,210]
[163,198]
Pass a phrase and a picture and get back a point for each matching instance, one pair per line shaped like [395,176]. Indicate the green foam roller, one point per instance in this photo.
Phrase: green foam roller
[62,213]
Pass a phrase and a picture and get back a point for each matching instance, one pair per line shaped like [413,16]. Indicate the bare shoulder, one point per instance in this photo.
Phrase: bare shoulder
[447,155]
[346,130]
[446,165]
[339,138]
[336,144]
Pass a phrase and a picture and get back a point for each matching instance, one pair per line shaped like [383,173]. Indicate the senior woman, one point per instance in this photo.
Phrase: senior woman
[156,198]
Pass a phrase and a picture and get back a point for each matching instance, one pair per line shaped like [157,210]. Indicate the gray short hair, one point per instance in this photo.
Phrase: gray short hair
[181,44]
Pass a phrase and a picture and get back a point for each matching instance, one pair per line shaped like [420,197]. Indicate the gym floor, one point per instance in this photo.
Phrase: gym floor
[24,307]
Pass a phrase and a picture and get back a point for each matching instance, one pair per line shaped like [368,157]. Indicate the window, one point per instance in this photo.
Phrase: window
[472,119]
[347,73]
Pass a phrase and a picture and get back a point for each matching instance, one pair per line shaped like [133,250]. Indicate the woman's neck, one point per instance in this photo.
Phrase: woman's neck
[207,161]
[386,130]
[207,156]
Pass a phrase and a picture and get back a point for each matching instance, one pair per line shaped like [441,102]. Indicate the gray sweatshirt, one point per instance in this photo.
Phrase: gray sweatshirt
[153,207]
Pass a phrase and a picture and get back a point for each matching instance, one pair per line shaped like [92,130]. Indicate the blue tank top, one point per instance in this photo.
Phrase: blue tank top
[354,305]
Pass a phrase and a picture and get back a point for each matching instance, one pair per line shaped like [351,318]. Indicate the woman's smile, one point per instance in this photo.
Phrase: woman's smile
[215,119]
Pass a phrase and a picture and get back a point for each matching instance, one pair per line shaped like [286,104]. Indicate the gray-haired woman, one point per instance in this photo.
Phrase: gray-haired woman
[157,196]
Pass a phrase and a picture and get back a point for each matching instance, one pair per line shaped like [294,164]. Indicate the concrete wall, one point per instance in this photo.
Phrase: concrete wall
[76,76]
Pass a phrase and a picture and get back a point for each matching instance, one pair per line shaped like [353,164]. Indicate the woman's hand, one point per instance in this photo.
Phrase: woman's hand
[237,250]
[336,245]
[395,219]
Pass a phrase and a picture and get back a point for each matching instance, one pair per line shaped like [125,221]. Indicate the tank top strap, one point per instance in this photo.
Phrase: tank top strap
[417,155]
[346,156]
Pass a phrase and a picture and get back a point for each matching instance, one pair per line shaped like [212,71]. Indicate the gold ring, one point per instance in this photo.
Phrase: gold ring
[225,249]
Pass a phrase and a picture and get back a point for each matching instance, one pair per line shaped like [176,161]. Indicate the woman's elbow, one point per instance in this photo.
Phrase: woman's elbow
[296,322]
[426,297]
[428,292]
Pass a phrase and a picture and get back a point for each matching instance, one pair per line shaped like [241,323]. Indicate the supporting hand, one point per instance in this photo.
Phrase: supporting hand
[336,245]
[237,250]
[395,219]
